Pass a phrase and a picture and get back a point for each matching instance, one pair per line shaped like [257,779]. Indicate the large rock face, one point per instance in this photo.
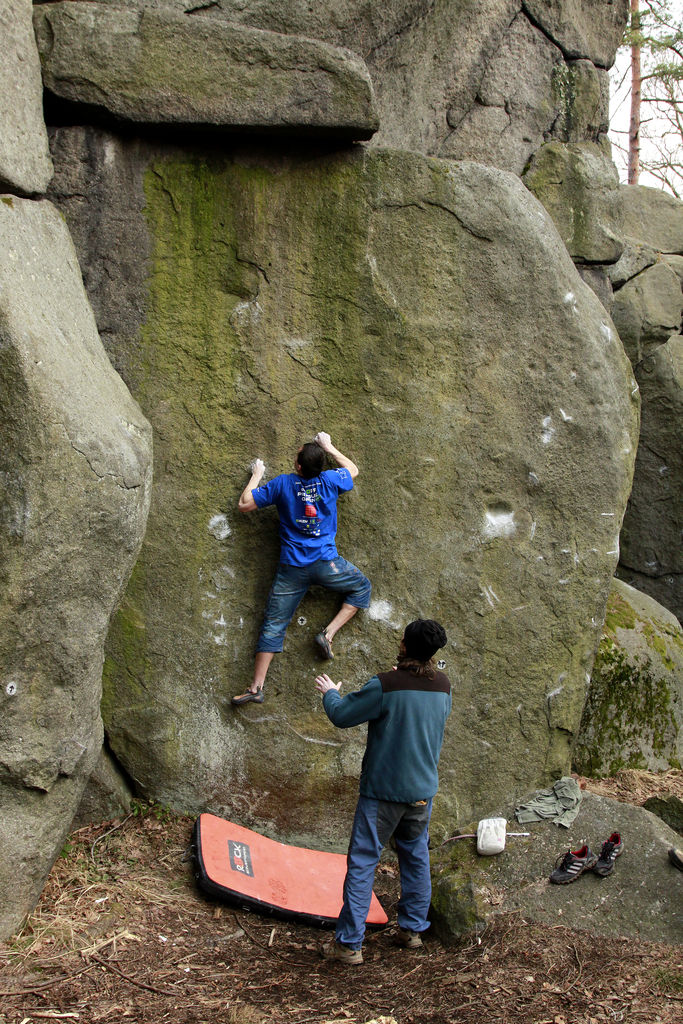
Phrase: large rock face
[165,68]
[489,81]
[427,315]
[75,483]
[515,115]
[25,164]
[634,713]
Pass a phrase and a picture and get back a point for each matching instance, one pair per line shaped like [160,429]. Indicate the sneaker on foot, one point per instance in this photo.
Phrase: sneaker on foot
[247,696]
[408,939]
[324,645]
[334,950]
[609,853]
[676,857]
[573,864]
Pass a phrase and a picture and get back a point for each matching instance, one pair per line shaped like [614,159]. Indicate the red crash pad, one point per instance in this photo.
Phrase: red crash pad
[256,873]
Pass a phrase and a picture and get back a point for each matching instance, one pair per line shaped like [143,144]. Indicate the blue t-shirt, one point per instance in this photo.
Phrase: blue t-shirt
[308,513]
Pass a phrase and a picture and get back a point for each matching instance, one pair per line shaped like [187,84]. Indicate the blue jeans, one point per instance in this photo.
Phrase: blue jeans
[374,823]
[290,585]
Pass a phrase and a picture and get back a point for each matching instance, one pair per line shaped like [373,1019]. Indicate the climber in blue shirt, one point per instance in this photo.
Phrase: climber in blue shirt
[306,501]
[406,711]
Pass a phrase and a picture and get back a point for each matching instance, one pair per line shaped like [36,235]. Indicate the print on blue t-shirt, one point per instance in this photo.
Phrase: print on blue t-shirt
[309,523]
[308,513]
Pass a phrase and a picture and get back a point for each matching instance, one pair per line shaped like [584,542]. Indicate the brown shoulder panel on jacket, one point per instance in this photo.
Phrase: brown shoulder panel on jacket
[399,679]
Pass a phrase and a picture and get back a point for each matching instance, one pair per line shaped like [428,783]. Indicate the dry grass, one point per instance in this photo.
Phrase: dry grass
[634,787]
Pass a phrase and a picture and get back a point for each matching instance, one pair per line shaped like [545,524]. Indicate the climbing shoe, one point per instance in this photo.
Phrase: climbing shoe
[334,950]
[676,857]
[324,645]
[609,853]
[408,939]
[572,865]
[247,697]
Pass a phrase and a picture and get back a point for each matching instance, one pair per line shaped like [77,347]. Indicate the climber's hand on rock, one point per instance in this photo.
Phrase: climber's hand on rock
[323,440]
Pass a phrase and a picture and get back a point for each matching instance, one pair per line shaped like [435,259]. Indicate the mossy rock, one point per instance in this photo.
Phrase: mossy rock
[581,91]
[425,313]
[579,186]
[161,67]
[460,888]
[633,716]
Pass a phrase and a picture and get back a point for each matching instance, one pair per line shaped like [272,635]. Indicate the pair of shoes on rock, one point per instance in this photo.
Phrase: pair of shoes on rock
[249,696]
[574,863]
[324,645]
[334,950]
[408,939]
[676,857]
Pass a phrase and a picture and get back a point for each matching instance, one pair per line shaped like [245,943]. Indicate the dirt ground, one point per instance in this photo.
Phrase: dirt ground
[122,933]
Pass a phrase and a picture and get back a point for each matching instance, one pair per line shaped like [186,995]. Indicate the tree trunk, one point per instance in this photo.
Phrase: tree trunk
[634,125]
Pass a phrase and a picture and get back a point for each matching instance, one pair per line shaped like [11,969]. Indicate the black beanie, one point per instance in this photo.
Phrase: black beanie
[423,638]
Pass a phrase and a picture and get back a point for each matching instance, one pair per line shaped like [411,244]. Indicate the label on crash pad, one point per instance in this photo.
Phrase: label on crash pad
[240,858]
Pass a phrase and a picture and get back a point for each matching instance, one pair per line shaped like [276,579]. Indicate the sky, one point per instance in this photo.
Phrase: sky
[620,110]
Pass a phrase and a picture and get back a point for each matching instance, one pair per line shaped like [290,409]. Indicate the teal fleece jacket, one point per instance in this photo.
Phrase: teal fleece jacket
[406,716]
